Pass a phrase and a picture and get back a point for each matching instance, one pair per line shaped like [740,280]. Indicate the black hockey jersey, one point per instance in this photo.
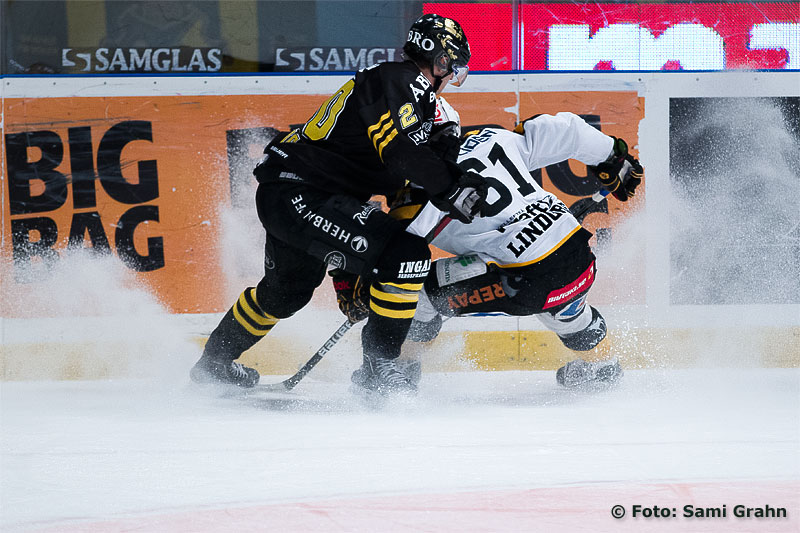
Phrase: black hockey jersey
[369,137]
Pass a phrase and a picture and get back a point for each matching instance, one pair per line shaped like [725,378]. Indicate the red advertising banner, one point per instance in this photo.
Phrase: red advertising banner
[587,36]
[488,28]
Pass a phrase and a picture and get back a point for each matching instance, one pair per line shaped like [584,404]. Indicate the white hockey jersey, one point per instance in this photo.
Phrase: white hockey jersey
[521,223]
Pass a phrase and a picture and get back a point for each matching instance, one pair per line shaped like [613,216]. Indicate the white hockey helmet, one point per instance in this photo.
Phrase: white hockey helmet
[446,117]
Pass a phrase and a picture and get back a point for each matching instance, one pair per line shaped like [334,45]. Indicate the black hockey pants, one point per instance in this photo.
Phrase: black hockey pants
[309,230]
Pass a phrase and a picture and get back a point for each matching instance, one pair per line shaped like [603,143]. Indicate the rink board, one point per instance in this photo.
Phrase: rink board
[192,241]
[457,349]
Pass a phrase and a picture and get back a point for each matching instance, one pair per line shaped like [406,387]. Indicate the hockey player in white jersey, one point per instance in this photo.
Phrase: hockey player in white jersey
[526,254]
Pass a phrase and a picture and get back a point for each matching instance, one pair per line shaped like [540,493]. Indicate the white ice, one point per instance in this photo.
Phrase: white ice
[75,453]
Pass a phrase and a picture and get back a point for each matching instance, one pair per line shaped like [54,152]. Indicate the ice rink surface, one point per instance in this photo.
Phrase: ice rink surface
[475,451]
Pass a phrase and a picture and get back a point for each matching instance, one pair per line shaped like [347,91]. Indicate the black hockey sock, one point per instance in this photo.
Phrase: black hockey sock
[392,307]
[240,329]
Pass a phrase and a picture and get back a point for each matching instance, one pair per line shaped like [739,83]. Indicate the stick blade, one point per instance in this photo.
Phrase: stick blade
[588,205]
[283,386]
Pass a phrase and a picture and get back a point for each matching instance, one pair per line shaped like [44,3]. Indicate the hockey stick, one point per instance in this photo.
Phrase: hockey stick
[581,208]
[291,382]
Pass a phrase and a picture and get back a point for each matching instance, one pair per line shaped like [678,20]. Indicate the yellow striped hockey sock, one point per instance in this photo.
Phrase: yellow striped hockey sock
[243,326]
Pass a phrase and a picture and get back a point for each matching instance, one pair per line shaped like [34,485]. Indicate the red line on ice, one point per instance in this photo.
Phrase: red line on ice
[584,508]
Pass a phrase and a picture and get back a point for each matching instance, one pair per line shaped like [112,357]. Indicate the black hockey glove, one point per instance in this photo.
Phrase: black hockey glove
[621,173]
[445,145]
[464,200]
[632,173]
[352,295]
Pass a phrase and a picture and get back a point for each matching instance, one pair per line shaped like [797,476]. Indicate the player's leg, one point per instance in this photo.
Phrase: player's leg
[290,277]
[581,328]
[361,239]
[459,286]
[400,273]
[556,295]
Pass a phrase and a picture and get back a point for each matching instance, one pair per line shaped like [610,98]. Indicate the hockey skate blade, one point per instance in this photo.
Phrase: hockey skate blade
[594,386]
[605,379]
[219,390]
[283,386]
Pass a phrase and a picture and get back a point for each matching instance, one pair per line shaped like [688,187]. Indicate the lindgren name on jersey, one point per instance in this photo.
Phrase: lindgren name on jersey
[549,206]
[540,216]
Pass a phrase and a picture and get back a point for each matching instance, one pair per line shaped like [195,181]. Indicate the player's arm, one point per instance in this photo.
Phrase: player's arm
[550,139]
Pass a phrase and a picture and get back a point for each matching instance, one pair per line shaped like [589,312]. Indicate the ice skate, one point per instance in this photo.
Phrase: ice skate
[208,371]
[412,368]
[424,331]
[382,376]
[581,374]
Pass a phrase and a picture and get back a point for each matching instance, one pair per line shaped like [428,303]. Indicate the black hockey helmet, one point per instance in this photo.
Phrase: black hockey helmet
[440,41]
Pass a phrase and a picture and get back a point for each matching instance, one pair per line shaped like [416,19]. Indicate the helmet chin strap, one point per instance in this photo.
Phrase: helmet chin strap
[439,79]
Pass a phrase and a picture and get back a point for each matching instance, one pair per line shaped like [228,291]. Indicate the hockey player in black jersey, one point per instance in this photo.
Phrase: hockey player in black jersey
[313,196]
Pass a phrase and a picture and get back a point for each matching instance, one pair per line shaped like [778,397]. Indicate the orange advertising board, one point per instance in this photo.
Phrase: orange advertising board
[145,178]
[141,177]
[615,113]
